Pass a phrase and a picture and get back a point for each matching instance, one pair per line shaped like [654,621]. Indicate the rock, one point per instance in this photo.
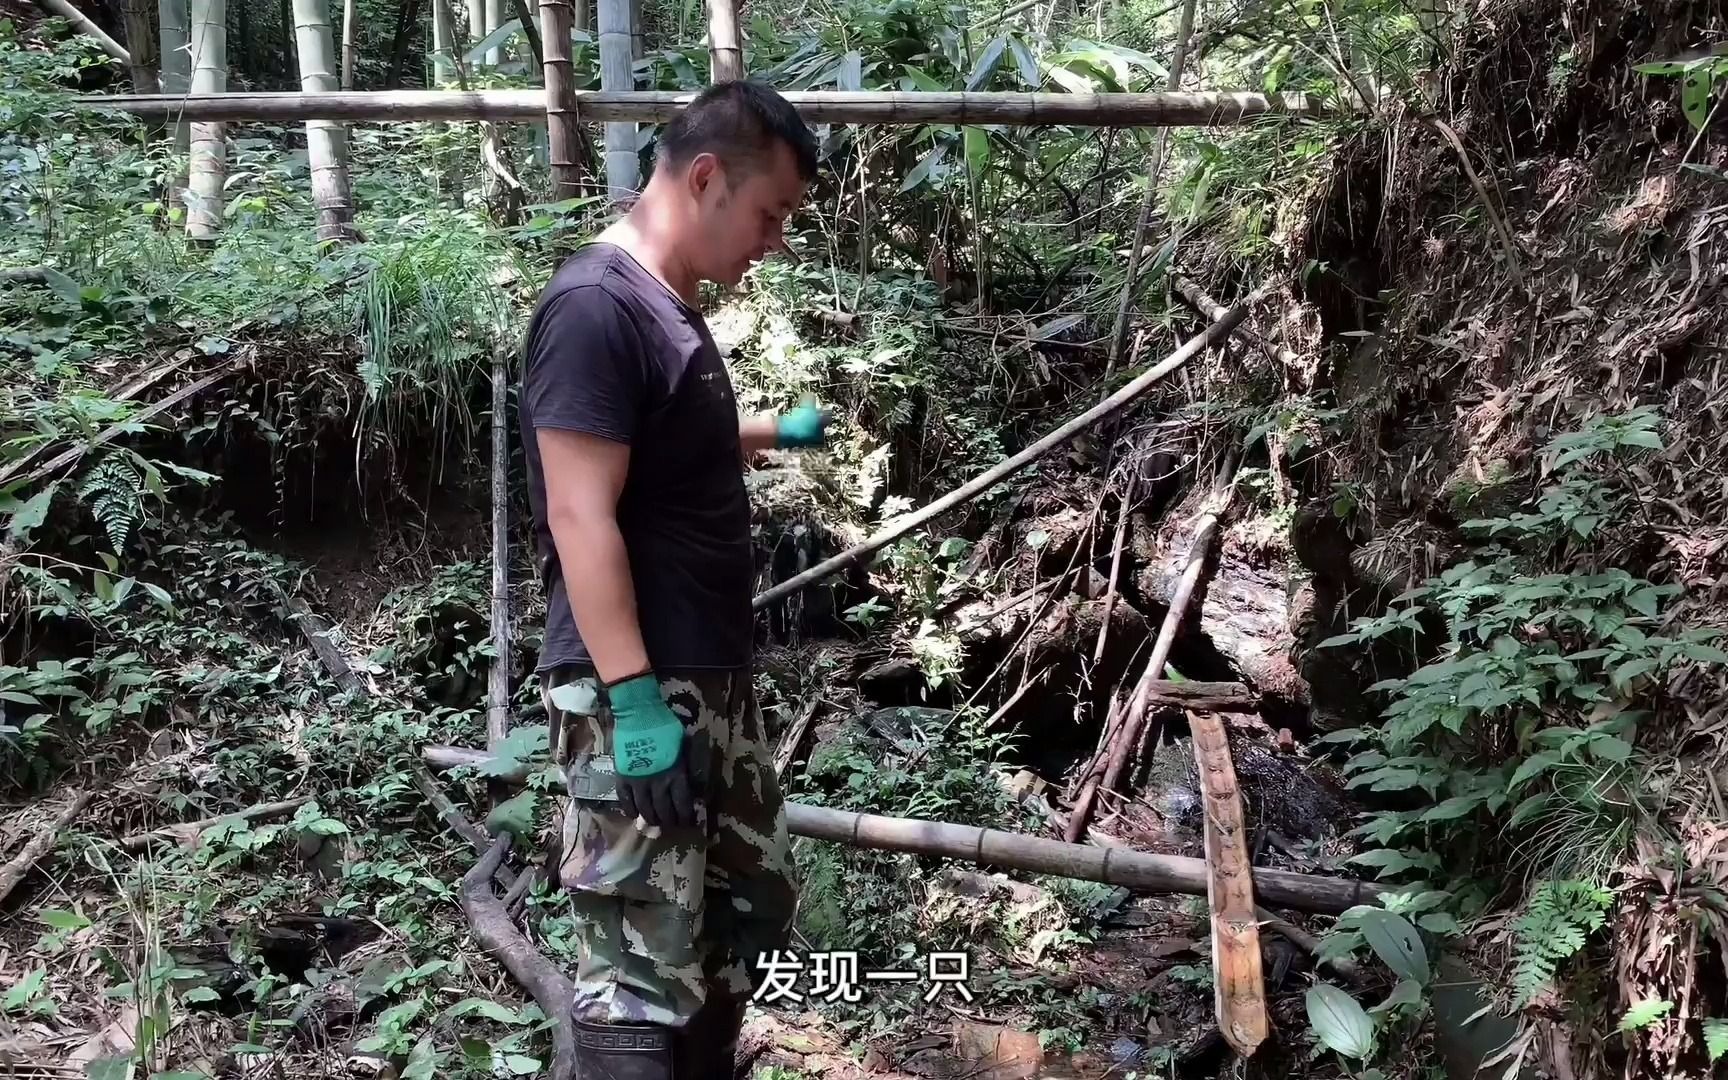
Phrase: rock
[1007,1054]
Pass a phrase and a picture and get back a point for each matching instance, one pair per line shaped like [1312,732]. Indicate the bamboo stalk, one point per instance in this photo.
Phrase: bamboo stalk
[1210,109]
[19,866]
[141,43]
[617,73]
[563,127]
[1239,986]
[725,55]
[443,45]
[86,26]
[996,847]
[350,53]
[1105,409]
[494,19]
[498,678]
[209,165]
[1154,170]
[173,24]
[326,140]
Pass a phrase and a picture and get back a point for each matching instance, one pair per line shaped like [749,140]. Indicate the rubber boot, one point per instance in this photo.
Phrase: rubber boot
[707,1047]
[624,1052]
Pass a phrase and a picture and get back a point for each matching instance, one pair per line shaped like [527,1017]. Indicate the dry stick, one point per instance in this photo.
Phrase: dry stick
[41,844]
[970,490]
[1500,228]
[1122,513]
[456,819]
[794,738]
[191,829]
[995,847]
[111,433]
[1154,170]
[1308,943]
[1239,985]
[492,928]
[83,23]
[1194,109]
[1116,746]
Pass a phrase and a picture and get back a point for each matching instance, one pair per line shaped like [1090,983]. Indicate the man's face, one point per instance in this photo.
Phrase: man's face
[740,219]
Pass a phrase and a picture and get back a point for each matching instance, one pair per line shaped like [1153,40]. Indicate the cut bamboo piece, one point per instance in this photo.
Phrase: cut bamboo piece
[1239,986]
[1212,109]
[86,26]
[1035,854]
[498,677]
[317,633]
[563,129]
[617,73]
[970,490]
[41,844]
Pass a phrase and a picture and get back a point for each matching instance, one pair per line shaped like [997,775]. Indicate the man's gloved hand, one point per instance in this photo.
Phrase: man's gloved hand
[654,773]
[804,426]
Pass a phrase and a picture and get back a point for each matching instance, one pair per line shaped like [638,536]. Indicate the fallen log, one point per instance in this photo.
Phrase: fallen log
[997,847]
[1239,986]
[1002,470]
[1308,943]
[495,932]
[1208,109]
[23,275]
[41,844]
[187,831]
[1118,741]
[317,633]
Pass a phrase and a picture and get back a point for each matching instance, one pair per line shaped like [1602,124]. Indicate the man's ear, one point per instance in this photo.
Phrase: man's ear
[704,172]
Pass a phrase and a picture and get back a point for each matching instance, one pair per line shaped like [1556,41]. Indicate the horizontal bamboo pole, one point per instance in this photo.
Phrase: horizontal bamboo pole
[1075,110]
[1035,854]
[1002,470]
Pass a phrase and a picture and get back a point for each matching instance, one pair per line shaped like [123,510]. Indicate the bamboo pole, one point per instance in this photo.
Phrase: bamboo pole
[350,53]
[996,847]
[617,73]
[1239,987]
[725,55]
[86,26]
[209,166]
[563,126]
[1209,109]
[498,678]
[1105,409]
[326,140]
[638,40]
[173,22]
[494,12]
[141,43]
[443,46]
[1154,171]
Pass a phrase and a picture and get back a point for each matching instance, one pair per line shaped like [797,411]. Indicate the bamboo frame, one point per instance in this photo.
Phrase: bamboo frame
[1208,109]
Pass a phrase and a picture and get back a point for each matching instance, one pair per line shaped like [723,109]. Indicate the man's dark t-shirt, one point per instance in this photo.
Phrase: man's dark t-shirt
[612,352]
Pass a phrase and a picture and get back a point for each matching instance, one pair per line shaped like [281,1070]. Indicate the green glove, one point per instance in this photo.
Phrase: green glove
[654,780]
[802,427]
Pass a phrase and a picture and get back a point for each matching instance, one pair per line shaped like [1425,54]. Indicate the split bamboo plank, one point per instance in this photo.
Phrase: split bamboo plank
[1208,109]
[1239,985]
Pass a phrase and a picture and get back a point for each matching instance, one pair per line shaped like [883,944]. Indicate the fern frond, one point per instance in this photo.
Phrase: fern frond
[1556,924]
[114,491]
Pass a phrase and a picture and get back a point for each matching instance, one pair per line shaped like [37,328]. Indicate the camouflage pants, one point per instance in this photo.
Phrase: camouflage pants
[668,917]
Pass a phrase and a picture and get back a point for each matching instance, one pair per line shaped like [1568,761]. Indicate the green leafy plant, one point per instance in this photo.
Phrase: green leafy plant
[1698,77]
[1558,920]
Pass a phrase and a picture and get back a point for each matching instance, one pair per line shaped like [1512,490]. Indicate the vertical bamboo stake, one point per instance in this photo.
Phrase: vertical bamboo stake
[476,21]
[209,165]
[350,54]
[443,46]
[638,43]
[141,43]
[326,140]
[564,136]
[494,19]
[173,20]
[1154,169]
[617,73]
[498,679]
[584,16]
[725,57]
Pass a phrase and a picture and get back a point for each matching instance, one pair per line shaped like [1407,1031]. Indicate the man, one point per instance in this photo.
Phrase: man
[674,845]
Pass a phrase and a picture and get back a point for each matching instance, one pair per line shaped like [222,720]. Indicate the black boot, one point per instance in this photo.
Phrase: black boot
[707,1047]
[623,1051]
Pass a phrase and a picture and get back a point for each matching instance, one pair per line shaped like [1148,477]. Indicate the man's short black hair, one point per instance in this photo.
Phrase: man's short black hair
[738,121]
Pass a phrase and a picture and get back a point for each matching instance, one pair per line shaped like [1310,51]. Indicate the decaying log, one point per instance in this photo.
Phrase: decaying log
[1209,109]
[534,972]
[188,831]
[1002,470]
[997,847]
[317,633]
[1224,697]
[41,844]
[23,275]
[1239,986]
[1118,741]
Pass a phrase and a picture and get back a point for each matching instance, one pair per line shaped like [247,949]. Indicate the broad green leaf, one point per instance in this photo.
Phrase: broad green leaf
[1715,1038]
[423,1061]
[1533,765]
[64,287]
[477,55]
[1407,992]
[200,993]
[987,64]
[1030,76]
[851,75]
[1695,103]
[1439,922]
[1451,809]
[515,816]
[32,514]
[1640,437]
[921,171]
[977,150]
[1644,1013]
[1339,1022]
[118,1068]
[491,1010]
[1703,654]
[1396,943]
[521,1064]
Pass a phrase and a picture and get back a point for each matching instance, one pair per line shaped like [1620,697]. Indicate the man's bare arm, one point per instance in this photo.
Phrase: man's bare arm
[584,476]
[758,433]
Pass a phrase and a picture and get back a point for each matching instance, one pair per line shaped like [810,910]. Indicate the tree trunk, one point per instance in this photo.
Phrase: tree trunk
[350,54]
[326,141]
[617,73]
[563,129]
[406,16]
[443,46]
[209,166]
[174,21]
[141,44]
[725,57]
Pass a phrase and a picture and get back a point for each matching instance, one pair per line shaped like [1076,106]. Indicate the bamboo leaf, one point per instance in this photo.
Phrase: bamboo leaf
[1339,1022]
[977,149]
[477,55]
[852,71]
[920,172]
[987,64]
[922,79]
[1026,62]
